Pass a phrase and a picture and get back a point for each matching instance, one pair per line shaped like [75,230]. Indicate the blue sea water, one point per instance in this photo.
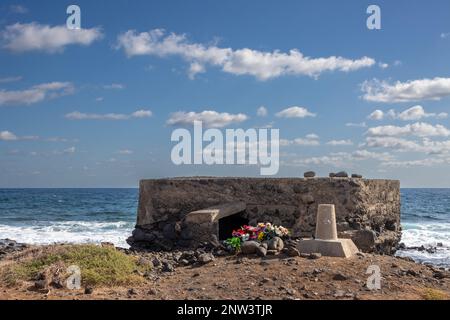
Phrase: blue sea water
[43,216]
[426,222]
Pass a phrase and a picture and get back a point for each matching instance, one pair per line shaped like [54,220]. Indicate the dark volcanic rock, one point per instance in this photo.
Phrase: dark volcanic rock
[341,174]
[365,240]
[309,174]
[10,246]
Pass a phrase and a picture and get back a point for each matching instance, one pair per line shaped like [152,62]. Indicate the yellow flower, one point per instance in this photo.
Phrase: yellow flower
[260,236]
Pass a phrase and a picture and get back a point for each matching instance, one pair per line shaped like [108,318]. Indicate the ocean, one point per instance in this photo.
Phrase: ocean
[44,216]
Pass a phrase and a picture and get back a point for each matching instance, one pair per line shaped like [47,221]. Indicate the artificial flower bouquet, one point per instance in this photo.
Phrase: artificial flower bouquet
[260,233]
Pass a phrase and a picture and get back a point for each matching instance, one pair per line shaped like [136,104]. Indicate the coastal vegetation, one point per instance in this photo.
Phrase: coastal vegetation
[99,265]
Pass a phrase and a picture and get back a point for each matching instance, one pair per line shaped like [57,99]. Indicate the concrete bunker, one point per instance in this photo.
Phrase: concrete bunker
[217,221]
[187,212]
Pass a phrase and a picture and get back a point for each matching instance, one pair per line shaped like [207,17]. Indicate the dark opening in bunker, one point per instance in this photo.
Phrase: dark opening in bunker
[230,223]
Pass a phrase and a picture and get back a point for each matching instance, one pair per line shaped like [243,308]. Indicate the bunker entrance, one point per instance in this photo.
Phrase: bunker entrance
[230,223]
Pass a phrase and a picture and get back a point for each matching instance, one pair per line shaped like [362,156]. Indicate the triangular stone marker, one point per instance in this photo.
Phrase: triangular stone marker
[326,241]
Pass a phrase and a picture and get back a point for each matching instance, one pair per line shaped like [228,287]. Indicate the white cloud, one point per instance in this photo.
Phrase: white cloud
[414,163]
[343,159]
[261,112]
[376,115]
[412,114]
[398,144]
[340,143]
[403,145]
[383,65]
[312,136]
[114,86]
[69,150]
[10,79]
[417,113]
[311,139]
[7,136]
[18,9]
[419,129]
[76,115]
[142,114]
[424,89]
[209,118]
[37,37]
[357,125]
[262,65]
[295,112]
[36,93]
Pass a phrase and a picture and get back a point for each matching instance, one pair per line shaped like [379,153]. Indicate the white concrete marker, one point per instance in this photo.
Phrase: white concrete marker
[327,242]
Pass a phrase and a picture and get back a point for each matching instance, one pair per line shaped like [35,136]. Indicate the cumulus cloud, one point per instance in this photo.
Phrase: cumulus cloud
[376,115]
[357,125]
[403,145]
[340,143]
[33,36]
[7,136]
[209,118]
[76,115]
[417,113]
[261,112]
[262,65]
[412,114]
[414,163]
[415,90]
[311,139]
[343,159]
[114,86]
[419,129]
[18,9]
[35,94]
[10,79]
[295,112]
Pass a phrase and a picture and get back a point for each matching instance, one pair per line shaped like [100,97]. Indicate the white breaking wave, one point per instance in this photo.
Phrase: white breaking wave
[69,232]
[429,235]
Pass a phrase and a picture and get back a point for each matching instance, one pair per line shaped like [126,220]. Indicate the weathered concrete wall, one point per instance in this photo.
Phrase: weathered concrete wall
[368,211]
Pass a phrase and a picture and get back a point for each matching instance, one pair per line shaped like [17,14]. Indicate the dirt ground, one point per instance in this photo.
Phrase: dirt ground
[272,277]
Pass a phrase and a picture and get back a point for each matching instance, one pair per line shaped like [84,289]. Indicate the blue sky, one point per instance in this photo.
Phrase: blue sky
[92,109]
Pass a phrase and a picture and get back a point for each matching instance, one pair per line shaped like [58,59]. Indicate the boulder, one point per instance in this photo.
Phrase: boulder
[365,240]
[141,235]
[341,174]
[275,244]
[206,258]
[356,176]
[293,252]
[261,251]
[249,247]
[309,174]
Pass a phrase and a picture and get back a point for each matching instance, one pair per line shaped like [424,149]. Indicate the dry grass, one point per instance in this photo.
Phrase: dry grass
[434,294]
[100,266]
